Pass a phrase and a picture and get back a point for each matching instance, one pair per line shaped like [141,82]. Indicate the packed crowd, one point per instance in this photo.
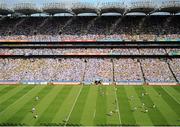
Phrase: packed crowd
[89,70]
[175,65]
[89,51]
[99,69]
[173,50]
[126,28]
[127,70]
[41,69]
[55,51]
[152,51]
[157,70]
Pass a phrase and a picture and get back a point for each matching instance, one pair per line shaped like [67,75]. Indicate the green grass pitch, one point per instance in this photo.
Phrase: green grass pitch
[90,105]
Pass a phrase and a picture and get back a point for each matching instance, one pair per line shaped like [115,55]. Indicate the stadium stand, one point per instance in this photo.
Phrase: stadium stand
[125,49]
[89,70]
[88,51]
[151,28]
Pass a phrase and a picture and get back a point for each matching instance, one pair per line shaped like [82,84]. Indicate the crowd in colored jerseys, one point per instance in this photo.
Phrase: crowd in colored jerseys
[128,28]
[90,69]
[88,51]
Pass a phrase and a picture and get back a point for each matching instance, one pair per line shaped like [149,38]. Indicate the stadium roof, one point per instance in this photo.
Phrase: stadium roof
[54,8]
[84,7]
[4,10]
[142,6]
[112,7]
[172,6]
[26,8]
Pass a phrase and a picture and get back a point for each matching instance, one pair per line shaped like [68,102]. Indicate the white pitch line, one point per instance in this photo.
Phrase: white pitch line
[73,106]
[95,105]
[94,114]
[117,104]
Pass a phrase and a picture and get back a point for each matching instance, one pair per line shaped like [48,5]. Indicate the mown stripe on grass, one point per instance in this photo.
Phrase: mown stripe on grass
[127,117]
[3,86]
[41,106]
[66,122]
[101,111]
[10,93]
[173,93]
[155,115]
[111,105]
[177,88]
[4,89]
[141,117]
[79,106]
[169,100]
[26,109]
[64,110]
[117,106]
[6,103]
[161,104]
[90,107]
[50,112]
[18,101]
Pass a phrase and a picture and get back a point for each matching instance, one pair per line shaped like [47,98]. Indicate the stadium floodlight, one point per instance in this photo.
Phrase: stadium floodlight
[56,7]
[84,7]
[26,7]
[171,6]
[4,8]
[112,7]
[142,6]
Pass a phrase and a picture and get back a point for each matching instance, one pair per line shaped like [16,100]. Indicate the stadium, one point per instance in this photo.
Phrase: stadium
[90,63]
